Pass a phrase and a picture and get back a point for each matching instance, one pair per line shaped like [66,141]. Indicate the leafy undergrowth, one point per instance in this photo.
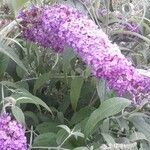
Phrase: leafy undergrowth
[56,97]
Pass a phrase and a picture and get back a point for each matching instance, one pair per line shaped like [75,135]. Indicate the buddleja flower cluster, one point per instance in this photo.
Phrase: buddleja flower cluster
[58,26]
[12,134]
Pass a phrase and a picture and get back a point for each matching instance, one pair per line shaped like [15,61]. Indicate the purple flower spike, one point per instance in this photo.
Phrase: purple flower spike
[12,134]
[59,25]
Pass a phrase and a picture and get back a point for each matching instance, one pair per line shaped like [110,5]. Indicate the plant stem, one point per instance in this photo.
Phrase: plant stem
[65,140]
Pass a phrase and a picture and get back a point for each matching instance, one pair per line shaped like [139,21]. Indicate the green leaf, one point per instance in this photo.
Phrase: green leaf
[101,89]
[137,114]
[17,4]
[108,108]
[41,81]
[61,136]
[20,72]
[3,63]
[81,115]
[118,146]
[141,126]
[105,125]
[22,84]
[68,55]
[65,128]
[137,136]
[18,114]
[66,103]
[47,127]
[108,138]
[30,115]
[144,145]
[81,148]
[60,117]
[87,72]
[32,100]
[9,84]
[23,96]
[45,139]
[11,54]
[123,123]
[76,86]
[78,134]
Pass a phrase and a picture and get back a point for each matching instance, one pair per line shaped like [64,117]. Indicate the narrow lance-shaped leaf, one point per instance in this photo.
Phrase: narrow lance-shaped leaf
[141,125]
[45,139]
[23,96]
[17,4]
[68,55]
[11,54]
[101,89]
[136,136]
[65,128]
[18,114]
[76,86]
[108,108]
[108,138]
[3,63]
[41,81]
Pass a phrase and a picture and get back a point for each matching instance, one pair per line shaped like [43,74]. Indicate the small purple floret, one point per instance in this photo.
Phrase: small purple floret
[59,26]
[12,134]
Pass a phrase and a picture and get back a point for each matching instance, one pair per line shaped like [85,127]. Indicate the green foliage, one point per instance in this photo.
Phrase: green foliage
[76,85]
[17,4]
[3,64]
[22,97]
[142,126]
[10,53]
[19,115]
[108,108]
[45,127]
[55,96]
[45,139]
[41,81]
